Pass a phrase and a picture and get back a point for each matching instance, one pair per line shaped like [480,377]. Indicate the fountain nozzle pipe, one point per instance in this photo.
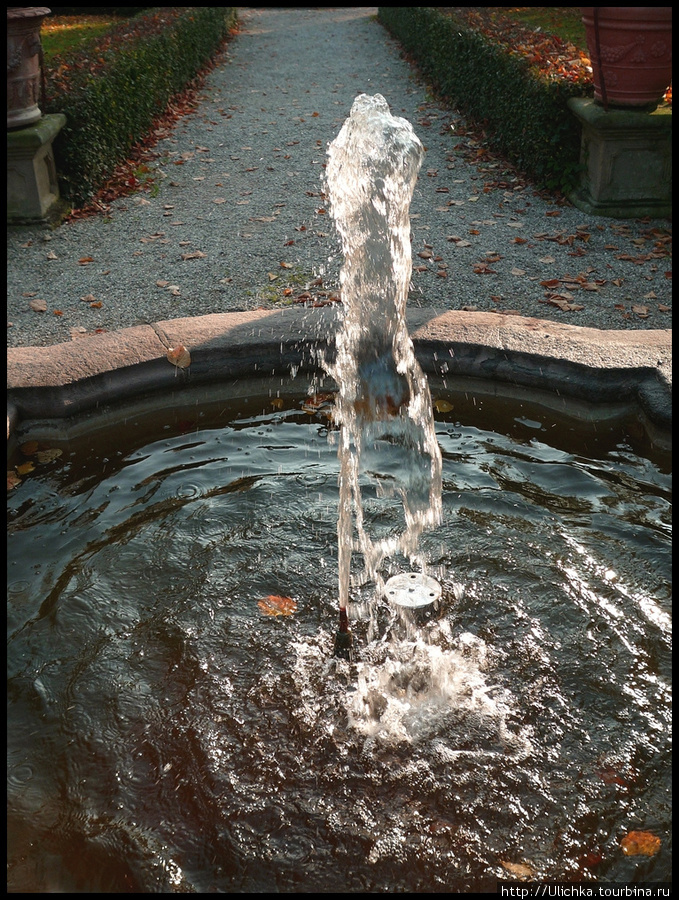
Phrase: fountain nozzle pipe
[344,639]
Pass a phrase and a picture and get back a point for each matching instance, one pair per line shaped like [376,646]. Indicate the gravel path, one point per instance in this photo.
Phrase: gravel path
[240,221]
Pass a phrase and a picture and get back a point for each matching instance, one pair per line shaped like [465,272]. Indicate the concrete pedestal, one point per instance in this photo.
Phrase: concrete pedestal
[627,156]
[32,188]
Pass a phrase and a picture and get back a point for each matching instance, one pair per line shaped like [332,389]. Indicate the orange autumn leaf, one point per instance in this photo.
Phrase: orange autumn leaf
[640,843]
[273,605]
[28,448]
[442,406]
[179,356]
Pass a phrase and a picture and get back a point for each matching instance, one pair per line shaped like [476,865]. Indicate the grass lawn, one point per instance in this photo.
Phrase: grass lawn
[61,33]
[563,21]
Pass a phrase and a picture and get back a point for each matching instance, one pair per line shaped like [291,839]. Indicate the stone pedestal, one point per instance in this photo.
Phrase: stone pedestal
[32,188]
[627,155]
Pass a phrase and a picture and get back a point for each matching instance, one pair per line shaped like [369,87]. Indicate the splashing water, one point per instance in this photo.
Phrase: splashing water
[384,406]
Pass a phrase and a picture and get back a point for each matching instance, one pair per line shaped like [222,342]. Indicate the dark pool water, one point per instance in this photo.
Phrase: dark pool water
[164,734]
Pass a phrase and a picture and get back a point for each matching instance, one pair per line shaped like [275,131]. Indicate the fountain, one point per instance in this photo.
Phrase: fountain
[383,403]
[175,720]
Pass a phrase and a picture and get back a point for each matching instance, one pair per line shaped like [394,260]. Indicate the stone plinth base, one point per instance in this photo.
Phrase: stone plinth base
[32,188]
[627,156]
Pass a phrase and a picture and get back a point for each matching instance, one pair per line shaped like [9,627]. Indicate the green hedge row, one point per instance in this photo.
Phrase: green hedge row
[525,115]
[112,91]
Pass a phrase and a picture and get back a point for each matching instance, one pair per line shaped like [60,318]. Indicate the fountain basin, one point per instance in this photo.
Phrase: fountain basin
[506,354]
[176,740]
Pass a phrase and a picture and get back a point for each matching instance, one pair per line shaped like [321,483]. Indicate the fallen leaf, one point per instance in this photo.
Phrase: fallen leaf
[285,265]
[425,254]
[88,298]
[197,254]
[516,271]
[13,481]
[96,305]
[38,305]
[273,605]
[443,406]
[28,448]
[640,843]
[641,311]
[25,468]
[179,356]
[522,871]
[45,456]
[85,260]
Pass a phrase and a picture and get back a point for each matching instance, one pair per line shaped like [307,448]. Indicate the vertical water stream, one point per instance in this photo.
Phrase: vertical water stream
[387,441]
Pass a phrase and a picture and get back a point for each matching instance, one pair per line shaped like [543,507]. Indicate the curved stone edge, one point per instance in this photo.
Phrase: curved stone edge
[574,362]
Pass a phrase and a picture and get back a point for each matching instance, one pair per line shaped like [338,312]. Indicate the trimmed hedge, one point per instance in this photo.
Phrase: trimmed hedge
[525,115]
[112,91]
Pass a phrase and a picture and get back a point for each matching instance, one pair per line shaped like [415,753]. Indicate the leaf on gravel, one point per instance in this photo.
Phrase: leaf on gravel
[286,265]
[88,298]
[273,605]
[641,311]
[85,260]
[179,356]
[563,302]
[517,272]
[38,305]
[196,254]
[52,255]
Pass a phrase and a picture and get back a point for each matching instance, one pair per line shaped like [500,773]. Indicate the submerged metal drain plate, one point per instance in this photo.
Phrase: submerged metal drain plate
[412,590]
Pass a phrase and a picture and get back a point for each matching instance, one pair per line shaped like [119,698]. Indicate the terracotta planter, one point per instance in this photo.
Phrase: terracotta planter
[23,64]
[631,52]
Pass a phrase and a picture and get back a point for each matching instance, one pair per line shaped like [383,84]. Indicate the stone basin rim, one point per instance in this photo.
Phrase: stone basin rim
[578,363]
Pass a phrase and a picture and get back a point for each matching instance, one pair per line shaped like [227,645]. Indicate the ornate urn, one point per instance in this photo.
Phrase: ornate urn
[631,52]
[23,64]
